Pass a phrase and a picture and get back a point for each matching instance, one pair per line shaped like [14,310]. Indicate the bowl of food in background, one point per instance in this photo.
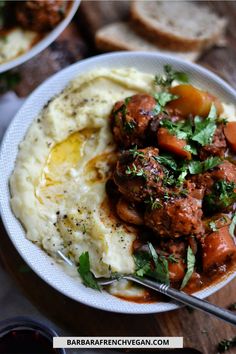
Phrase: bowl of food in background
[28,27]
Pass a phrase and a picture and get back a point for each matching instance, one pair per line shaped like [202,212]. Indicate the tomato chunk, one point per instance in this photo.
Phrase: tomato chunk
[230,134]
[171,143]
[193,101]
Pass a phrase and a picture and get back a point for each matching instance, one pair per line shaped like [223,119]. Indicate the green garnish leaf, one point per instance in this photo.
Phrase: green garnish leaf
[221,197]
[213,226]
[167,160]
[169,76]
[172,258]
[87,276]
[191,259]
[135,153]
[142,263]
[205,128]
[153,203]
[232,225]
[164,97]
[159,270]
[196,167]
[133,171]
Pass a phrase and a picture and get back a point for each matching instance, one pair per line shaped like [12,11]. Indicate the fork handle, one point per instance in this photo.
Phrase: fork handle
[186,299]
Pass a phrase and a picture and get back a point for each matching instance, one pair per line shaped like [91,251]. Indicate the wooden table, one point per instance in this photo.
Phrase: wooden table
[199,330]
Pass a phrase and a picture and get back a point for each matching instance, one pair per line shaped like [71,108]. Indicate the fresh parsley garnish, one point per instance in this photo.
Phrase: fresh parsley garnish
[129,126]
[162,99]
[232,225]
[196,167]
[135,153]
[213,226]
[133,171]
[169,76]
[167,160]
[172,258]
[153,203]
[205,127]
[87,276]
[221,197]
[191,259]
[181,129]
[152,265]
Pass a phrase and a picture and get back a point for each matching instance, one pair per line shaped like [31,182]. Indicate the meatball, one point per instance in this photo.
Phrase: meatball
[138,175]
[224,171]
[217,147]
[130,120]
[180,216]
[40,15]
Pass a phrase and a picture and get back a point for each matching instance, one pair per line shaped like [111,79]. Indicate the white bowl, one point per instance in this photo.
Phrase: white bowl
[44,43]
[37,259]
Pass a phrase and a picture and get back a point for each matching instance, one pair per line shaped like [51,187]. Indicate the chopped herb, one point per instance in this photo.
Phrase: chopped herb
[169,76]
[181,129]
[172,258]
[196,167]
[232,225]
[190,267]
[129,126]
[168,179]
[135,153]
[190,148]
[221,197]
[213,226]
[222,120]
[135,172]
[226,344]
[162,99]
[161,271]
[143,261]
[153,203]
[167,160]
[181,178]
[205,128]
[127,100]
[87,276]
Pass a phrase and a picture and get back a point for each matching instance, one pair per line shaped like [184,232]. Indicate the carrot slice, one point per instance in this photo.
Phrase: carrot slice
[193,101]
[171,143]
[230,134]
[218,248]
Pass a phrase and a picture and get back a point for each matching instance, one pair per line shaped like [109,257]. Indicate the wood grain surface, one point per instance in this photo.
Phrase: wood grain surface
[200,331]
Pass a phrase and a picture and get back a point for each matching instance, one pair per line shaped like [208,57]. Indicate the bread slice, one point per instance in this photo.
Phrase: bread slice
[122,36]
[178,25]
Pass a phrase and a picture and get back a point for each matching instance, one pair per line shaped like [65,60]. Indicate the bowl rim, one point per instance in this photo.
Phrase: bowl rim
[43,43]
[141,309]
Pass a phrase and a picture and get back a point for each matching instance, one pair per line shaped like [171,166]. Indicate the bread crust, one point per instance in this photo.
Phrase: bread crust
[168,40]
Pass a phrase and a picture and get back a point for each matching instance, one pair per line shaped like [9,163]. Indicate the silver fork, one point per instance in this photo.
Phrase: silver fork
[175,294]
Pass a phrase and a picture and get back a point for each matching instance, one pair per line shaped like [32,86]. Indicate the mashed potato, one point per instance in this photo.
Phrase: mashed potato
[58,185]
[16,42]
